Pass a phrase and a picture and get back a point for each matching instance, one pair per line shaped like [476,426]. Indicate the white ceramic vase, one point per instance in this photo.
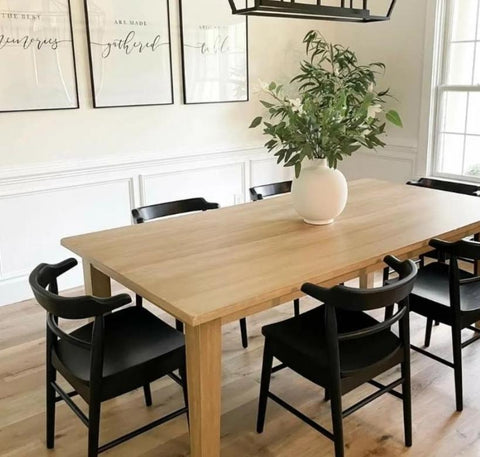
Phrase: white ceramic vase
[320,193]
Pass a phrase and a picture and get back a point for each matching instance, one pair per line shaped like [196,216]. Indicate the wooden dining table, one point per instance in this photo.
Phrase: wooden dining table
[211,268]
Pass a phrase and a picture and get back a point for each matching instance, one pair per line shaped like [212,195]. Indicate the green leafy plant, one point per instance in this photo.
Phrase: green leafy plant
[335,112]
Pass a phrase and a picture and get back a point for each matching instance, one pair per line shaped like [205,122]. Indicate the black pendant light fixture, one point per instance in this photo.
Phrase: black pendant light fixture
[326,10]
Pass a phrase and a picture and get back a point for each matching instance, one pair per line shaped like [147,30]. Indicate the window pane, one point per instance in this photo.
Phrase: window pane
[472,156]
[454,112]
[473,122]
[460,63]
[464,14]
[476,79]
[478,25]
[457,142]
[451,152]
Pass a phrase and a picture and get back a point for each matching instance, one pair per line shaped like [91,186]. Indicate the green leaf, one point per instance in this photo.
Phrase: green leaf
[334,89]
[256,122]
[298,167]
[393,117]
[266,104]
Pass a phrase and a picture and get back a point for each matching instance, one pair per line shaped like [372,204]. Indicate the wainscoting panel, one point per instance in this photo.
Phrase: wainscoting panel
[264,171]
[223,184]
[390,164]
[36,222]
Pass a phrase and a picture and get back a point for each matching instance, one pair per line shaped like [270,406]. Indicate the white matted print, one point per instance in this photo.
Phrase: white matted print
[214,51]
[37,64]
[130,56]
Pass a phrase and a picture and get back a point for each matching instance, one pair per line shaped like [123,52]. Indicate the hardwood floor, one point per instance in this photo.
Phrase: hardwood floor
[375,430]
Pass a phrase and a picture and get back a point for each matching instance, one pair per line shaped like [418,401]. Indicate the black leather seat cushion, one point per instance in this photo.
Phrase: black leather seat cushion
[135,341]
[431,295]
[300,343]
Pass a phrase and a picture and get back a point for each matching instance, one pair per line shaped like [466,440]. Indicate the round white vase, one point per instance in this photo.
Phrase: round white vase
[320,193]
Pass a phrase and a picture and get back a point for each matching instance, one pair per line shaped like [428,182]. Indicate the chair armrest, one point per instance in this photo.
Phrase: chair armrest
[318,292]
[464,248]
[107,305]
[445,246]
[64,266]
[209,205]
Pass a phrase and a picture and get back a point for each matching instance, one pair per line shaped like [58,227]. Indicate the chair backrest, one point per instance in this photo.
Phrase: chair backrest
[267,190]
[351,299]
[44,283]
[448,186]
[462,249]
[147,213]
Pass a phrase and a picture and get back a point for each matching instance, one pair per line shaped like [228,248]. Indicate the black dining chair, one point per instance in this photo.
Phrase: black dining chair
[445,293]
[340,347]
[446,186]
[269,190]
[148,213]
[116,353]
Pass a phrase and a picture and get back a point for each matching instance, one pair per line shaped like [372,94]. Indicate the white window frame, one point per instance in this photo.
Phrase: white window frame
[440,65]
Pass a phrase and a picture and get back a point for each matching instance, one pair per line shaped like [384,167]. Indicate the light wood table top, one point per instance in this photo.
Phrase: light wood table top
[224,263]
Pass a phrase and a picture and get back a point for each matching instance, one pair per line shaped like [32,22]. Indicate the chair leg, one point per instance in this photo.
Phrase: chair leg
[264,387]
[179,325]
[296,307]
[386,275]
[389,312]
[407,403]
[326,395]
[428,332]
[457,362]
[93,428]
[147,393]
[138,300]
[243,332]
[51,375]
[337,419]
[183,375]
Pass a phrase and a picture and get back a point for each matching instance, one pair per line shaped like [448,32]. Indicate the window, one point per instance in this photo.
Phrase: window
[457,129]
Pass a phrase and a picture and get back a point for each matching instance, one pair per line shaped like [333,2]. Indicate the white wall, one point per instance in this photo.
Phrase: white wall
[38,137]
[67,172]
[400,44]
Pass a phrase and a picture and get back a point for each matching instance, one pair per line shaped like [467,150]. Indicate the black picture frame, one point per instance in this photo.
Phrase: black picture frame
[121,43]
[204,6]
[37,44]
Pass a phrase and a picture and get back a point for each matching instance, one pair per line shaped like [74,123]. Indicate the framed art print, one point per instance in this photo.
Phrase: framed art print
[130,55]
[214,52]
[36,56]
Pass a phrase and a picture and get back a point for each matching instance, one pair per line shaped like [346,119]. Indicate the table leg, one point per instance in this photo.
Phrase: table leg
[476,263]
[204,369]
[96,283]
[366,279]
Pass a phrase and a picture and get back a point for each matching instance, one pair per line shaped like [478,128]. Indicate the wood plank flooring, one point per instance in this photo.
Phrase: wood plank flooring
[374,431]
